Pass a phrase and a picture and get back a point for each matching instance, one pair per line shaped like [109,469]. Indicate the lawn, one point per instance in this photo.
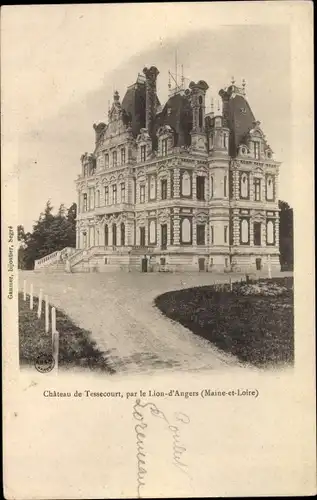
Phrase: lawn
[76,347]
[257,329]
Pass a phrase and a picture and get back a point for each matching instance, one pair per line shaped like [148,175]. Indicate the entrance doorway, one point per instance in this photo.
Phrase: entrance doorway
[163,236]
[201,264]
[258,264]
[144,265]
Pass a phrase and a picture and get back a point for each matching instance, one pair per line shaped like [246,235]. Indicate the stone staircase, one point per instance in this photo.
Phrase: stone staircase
[56,261]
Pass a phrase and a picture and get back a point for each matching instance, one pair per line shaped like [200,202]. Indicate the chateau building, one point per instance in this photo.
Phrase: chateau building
[173,187]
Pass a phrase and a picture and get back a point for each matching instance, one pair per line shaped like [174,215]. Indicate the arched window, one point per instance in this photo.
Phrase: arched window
[122,231]
[106,235]
[114,235]
[244,231]
[269,188]
[270,232]
[186,184]
[152,232]
[186,231]
[244,186]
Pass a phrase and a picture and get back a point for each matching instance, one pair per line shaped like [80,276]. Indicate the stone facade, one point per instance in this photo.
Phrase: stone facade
[171,188]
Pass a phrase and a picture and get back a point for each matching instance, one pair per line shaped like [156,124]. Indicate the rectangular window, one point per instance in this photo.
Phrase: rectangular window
[256,150]
[122,186]
[85,202]
[142,194]
[257,189]
[98,198]
[257,233]
[225,234]
[106,160]
[122,156]
[211,235]
[225,186]
[114,194]
[143,153]
[91,198]
[114,158]
[164,147]
[164,189]
[200,187]
[200,234]
[106,195]
[142,236]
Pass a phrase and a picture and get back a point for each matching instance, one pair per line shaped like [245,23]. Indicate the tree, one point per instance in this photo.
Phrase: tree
[286,235]
[50,233]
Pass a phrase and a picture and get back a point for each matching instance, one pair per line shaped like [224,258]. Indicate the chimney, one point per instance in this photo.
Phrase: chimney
[150,103]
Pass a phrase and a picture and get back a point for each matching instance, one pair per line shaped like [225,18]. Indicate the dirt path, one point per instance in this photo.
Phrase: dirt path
[118,309]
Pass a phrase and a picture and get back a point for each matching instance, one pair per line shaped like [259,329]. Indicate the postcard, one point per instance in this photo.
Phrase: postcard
[157,250]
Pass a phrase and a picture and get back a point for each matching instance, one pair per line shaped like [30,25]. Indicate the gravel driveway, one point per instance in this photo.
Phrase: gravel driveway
[118,309]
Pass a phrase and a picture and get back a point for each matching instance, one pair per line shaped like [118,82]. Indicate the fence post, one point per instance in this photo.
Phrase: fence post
[24,290]
[31,296]
[47,314]
[55,341]
[39,310]
[53,319]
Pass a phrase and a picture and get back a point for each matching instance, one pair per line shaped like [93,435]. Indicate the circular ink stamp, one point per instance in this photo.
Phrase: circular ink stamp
[44,363]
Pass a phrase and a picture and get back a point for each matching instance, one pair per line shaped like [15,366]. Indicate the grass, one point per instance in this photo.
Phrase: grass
[258,330]
[76,347]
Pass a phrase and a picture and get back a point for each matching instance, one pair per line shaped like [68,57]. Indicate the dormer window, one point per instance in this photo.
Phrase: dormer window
[256,146]
[164,147]
[143,153]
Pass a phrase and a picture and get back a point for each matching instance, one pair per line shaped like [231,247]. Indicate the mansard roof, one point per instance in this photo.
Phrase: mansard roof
[177,113]
[240,121]
[133,105]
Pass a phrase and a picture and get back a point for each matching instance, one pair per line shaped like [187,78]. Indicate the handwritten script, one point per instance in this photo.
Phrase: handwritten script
[140,409]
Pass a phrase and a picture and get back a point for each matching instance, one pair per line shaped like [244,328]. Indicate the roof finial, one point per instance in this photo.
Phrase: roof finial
[212,105]
[233,80]
[243,86]
[218,106]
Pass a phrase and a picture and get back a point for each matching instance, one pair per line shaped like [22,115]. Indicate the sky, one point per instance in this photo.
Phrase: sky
[63,63]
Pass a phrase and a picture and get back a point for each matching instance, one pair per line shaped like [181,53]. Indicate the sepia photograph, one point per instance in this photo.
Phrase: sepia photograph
[168,244]
[158,165]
